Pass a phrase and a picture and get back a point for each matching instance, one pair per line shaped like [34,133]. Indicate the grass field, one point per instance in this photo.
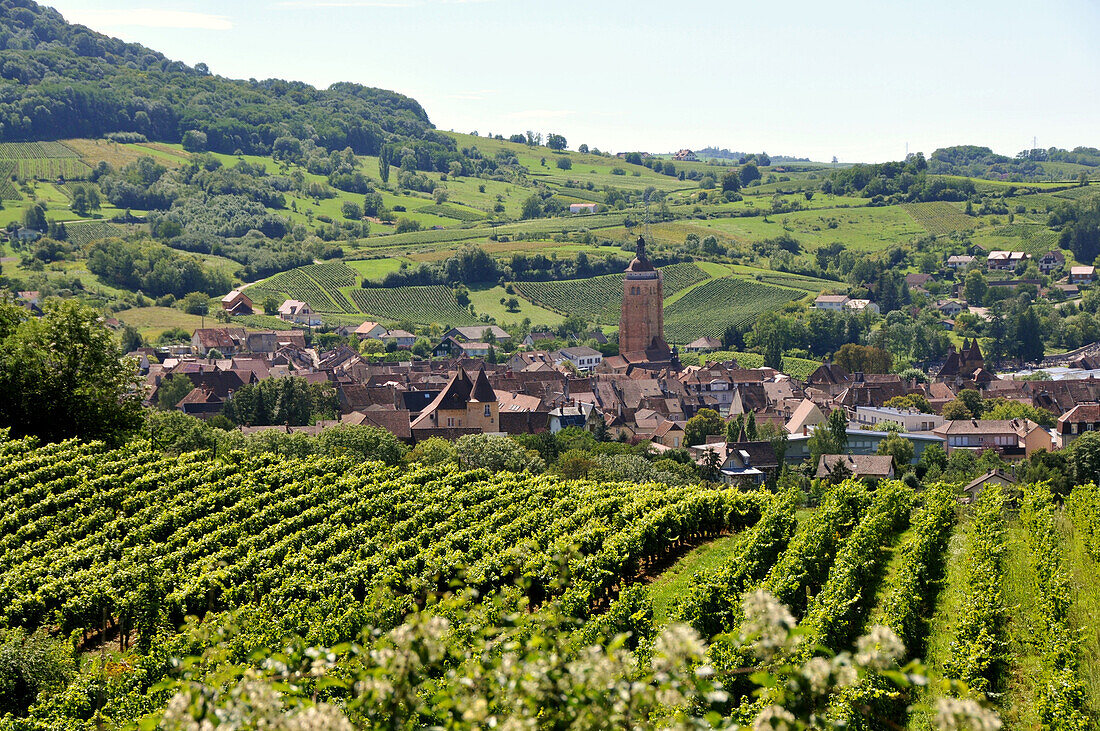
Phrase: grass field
[667,589]
[486,301]
[152,321]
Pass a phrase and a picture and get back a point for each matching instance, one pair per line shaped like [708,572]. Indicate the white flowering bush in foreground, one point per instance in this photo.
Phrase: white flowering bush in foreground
[484,668]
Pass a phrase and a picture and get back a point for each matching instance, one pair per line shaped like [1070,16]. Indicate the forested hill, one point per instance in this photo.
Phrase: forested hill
[59,80]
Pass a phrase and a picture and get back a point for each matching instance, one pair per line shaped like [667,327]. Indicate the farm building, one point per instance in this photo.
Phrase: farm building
[237,303]
[1005,260]
[959,261]
[685,155]
[705,344]
[834,302]
[583,207]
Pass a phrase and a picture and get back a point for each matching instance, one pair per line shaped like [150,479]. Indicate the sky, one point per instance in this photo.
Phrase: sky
[856,79]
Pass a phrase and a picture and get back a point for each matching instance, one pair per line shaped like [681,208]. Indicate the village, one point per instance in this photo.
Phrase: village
[642,394]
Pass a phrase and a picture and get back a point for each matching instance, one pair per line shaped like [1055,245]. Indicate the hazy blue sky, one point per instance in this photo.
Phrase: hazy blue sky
[821,78]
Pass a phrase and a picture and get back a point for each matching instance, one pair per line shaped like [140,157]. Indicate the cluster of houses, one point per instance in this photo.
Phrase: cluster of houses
[1049,263]
[537,391]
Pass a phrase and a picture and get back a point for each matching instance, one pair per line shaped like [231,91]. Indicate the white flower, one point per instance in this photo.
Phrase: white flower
[774,718]
[955,714]
[767,622]
[879,649]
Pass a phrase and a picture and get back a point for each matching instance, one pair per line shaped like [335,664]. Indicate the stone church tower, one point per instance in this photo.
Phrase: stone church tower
[642,326]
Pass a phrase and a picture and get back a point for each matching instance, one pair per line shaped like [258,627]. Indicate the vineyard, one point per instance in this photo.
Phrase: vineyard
[1034,238]
[715,305]
[600,299]
[8,191]
[423,305]
[798,281]
[939,217]
[318,285]
[42,161]
[465,215]
[82,233]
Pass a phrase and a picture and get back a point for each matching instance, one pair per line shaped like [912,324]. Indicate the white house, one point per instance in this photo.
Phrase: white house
[1005,259]
[1081,274]
[370,330]
[835,302]
[910,420]
[959,261]
[299,313]
[583,207]
[582,357]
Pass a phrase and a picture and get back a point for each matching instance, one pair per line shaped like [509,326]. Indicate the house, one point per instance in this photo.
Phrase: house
[403,338]
[993,477]
[959,261]
[860,442]
[583,358]
[465,402]
[369,330]
[237,303]
[835,302]
[917,280]
[532,338]
[705,344]
[740,463]
[1079,420]
[1082,274]
[299,313]
[530,360]
[1005,260]
[225,340]
[859,305]
[909,420]
[859,466]
[478,333]
[670,434]
[1051,260]
[583,207]
[685,155]
[451,347]
[805,416]
[950,308]
[31,297]
[26,235]
[577,415]
[1011,438]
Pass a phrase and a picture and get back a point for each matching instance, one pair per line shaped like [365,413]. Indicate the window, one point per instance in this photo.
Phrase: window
[488,410]
[450,421]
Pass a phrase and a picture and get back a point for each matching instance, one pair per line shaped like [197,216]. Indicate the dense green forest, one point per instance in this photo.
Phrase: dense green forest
[59,80]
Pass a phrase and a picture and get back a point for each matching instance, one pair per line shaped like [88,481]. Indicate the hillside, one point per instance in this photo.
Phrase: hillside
[61,80]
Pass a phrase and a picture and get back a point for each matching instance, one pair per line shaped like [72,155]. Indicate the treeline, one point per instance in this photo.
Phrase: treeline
[60,80]
[154,269]
[903,181]
[1080,225]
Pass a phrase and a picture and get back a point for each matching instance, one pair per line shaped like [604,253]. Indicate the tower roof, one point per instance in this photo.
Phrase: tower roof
[640,262]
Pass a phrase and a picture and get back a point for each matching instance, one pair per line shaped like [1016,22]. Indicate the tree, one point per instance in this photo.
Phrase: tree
[433,450]
[532,207]
[731,181]
[270,304]
[288,401]
[555,141]
[898,447]
[830,437]
[194,141]
[564,163]
[384,168]
[975,287]
[195,303]
[955,410]
[705,423]
[172,390]
[748,173]
[1004,409]
[63,375]
[863,359]
[496,453]
[360,443]
[583,148]
[131,339]
[35,217]
[915,401]
[973,400]
[351,210]
[1084,455]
